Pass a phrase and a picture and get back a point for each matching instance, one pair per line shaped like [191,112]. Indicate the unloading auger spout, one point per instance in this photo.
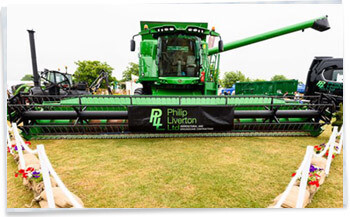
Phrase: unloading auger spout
[320,24]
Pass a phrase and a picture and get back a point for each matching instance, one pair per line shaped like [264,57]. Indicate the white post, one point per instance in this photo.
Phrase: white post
[9,144]
[330,141]
[61,184]
[19,147]
[340,131]
[46,176]
[329,158]
[304,176]
[20,140]
[340,144]
[291,183]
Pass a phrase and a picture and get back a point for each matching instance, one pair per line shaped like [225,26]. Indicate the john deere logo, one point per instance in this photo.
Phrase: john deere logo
[155,118]
[180,81]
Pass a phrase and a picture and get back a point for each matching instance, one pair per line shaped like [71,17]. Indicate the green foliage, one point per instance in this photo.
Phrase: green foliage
[231,78]
[338,117]
[27,77]
[258,79]
[279,78]
[132,69]
[88,71]
[38,180]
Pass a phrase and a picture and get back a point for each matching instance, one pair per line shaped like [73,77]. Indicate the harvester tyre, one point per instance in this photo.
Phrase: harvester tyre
[139,91]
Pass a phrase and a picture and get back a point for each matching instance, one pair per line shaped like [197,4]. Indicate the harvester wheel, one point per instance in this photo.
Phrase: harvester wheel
[139,91]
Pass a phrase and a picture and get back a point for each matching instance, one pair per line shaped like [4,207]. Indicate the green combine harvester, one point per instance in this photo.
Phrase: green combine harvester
[179,74]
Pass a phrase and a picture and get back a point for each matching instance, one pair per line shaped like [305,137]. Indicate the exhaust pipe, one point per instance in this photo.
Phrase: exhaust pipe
[34,62]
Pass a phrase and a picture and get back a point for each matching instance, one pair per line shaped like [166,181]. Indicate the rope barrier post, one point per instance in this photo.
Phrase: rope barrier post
[291,183]
[46,176]
[61,184]
[304,176]
[331,151]
[9,144]
[19,147]
[340,144]
[20,140]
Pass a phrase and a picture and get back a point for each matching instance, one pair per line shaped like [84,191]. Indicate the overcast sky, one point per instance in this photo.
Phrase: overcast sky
[65,34]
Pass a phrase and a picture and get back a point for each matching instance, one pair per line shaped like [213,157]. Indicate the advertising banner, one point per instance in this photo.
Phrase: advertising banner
[180,118]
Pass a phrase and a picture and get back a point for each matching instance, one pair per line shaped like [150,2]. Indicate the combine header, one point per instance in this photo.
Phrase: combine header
[179,74]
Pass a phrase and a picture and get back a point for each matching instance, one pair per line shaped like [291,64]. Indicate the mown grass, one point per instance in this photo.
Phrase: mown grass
[187,172]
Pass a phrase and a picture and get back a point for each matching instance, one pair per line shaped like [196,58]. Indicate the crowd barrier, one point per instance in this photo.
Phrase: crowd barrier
[304,196]
[49,197]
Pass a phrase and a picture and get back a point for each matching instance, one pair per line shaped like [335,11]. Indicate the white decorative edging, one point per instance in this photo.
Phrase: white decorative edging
[46,170]
[303,170]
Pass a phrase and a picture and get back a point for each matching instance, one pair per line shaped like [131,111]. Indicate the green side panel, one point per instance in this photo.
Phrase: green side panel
[156,101]
[210,88]
[271,88]
[123,101]
[254,101]
[158,91]
[203,101]
[148,51]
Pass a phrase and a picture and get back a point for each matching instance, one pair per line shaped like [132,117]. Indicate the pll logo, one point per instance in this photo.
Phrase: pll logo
[155,118]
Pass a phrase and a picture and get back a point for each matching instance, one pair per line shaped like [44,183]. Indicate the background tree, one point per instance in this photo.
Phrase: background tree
[88,71]
[279,78]
[258,79]
[27,77]
[231,78]
[132,69]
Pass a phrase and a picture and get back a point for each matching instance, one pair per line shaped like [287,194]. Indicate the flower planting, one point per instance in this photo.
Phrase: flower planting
[30,174]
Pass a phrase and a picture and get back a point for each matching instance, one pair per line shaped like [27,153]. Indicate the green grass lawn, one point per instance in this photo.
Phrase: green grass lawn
[186,172]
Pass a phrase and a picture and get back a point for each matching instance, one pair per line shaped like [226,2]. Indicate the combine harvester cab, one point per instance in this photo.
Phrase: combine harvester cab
[179,74]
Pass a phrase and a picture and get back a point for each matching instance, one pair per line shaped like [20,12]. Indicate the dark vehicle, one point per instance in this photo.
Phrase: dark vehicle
[325,77]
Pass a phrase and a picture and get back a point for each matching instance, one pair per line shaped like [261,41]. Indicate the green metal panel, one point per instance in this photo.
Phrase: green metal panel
[160,91]
[266,87]
[124,101]
[148,67]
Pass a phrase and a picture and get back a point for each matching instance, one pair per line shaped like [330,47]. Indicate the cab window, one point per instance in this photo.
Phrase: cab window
[177,57]
[333,75]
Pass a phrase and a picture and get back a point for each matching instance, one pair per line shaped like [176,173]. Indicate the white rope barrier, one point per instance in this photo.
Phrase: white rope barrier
[46,169]
[46,176]
[303,170]
[9,144]
[60,183]
[291,183]
[304,176]
[330,141]
[20,140]
[19,148]
[330,157]
[340,144]
[340,132]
